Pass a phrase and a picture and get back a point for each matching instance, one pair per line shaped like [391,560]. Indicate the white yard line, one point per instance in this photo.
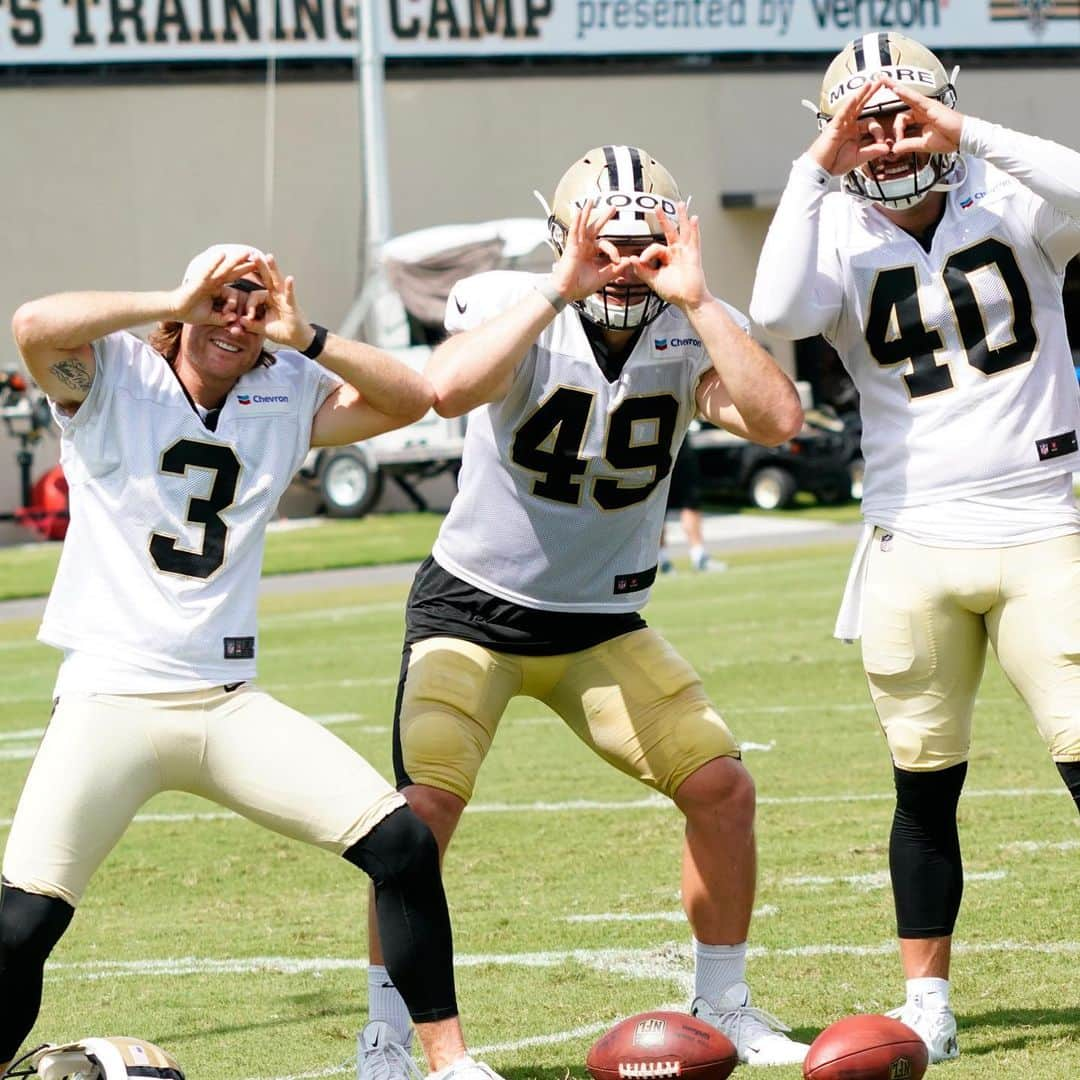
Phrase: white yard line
[673,960]
[650,802]
[1041,845]
[651,916]
[878,880]
[21,736]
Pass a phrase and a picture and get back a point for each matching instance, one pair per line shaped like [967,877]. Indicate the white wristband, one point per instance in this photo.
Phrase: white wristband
[546,288]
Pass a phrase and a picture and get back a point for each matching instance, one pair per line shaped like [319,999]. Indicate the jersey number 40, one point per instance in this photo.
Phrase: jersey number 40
[897,334]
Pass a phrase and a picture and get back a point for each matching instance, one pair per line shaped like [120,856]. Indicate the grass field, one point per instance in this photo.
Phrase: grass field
[28,569]
[243,953]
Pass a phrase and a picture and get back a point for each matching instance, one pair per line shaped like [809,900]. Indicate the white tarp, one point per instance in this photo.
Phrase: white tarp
[416,270]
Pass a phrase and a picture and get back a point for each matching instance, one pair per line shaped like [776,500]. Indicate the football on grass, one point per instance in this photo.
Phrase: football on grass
[867,1047]
[657,1045]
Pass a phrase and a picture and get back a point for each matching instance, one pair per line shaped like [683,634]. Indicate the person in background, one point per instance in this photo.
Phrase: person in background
[684,495]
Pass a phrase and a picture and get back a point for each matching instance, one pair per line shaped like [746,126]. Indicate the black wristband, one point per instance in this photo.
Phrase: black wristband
[318,342]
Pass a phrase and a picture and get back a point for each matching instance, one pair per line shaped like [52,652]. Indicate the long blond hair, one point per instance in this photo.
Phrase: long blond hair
[165,338]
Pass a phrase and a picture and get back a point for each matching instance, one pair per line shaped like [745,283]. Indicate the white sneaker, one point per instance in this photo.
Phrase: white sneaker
[379,1055]
[704,565]
[466,1069]
[758,1037]
[936,1028]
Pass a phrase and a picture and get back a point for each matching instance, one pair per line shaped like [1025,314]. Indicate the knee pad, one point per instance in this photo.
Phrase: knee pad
[924,852]
[30,925]
[1070,773]
[402,858]
[400,850]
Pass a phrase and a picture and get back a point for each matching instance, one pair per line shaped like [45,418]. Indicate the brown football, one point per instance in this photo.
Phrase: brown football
[866,1047]
[662,1045]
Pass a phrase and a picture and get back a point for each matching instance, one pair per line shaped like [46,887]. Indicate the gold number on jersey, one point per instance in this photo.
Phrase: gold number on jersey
[897,334]
[550,442]
[225,465]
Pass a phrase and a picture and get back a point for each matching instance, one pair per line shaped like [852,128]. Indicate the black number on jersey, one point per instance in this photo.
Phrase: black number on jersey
[905,338]
[897,334]
[225,465]
[549,443]
[655,416]
[969,317]
[551,439]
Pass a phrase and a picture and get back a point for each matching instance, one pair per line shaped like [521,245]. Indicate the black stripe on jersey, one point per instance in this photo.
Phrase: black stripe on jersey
[860,59]
[883,50]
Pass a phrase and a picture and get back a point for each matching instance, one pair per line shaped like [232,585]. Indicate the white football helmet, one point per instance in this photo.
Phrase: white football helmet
[915,66]
[634,182]
[118,1058]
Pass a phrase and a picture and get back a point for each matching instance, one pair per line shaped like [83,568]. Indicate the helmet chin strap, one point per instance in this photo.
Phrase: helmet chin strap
[604,313]
[919,184]
[905,191]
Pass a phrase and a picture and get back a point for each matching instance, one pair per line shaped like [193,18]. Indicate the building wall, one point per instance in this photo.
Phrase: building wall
[117,186]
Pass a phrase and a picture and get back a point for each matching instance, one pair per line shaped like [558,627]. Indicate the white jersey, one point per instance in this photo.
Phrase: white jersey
[564,481]
[160,569]
[959,353]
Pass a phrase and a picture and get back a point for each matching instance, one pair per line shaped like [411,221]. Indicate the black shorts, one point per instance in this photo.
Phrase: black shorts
[685,490]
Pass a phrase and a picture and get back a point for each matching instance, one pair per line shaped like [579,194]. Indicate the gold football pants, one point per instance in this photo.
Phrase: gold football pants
[633,700]
[928,613]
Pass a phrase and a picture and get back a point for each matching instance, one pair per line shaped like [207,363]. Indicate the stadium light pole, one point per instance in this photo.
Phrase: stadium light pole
[373,112]
[376,202]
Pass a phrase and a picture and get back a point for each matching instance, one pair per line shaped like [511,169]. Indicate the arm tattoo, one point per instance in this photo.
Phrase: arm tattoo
[73,373]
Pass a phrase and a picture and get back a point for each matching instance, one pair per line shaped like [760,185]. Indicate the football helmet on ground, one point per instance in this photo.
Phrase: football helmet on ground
[914,65]
[636,184]
[117,1058]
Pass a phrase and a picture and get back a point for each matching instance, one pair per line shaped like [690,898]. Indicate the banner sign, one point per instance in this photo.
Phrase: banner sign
[111,31]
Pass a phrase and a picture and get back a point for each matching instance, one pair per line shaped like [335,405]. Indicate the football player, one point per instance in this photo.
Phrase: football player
[580,386]
[176,453]
[936,273]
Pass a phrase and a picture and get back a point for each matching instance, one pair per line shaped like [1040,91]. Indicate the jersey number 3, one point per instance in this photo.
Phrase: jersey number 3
[896,333]
[551,439]
[225,465]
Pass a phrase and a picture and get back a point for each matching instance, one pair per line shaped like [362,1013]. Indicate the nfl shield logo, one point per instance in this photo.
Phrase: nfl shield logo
[650,1032]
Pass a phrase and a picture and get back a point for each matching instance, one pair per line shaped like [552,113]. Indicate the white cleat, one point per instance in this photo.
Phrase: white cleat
[466,1069]
[759,1037]
[379,1055]
[936,1028]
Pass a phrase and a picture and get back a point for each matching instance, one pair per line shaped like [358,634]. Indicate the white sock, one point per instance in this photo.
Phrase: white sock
[928,993]
[385,1003]
[716,967]
[697,552]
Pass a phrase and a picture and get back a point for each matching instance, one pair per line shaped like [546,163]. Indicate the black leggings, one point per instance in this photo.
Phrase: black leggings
[924,852]
[30,925]
[402,858]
